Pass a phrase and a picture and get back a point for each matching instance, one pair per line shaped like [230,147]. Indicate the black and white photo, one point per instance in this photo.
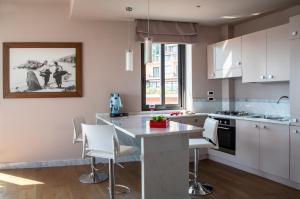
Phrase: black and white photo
[35,70]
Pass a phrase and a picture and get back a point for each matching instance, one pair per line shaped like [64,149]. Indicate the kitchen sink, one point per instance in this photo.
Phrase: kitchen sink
[269,117]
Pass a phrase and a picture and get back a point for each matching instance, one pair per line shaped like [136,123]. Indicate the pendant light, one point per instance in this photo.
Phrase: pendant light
[129,52]
[148,42]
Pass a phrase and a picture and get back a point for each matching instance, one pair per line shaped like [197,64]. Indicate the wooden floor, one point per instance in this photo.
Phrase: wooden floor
[62,183]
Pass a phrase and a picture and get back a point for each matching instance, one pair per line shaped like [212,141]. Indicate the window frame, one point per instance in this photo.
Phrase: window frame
[181,80]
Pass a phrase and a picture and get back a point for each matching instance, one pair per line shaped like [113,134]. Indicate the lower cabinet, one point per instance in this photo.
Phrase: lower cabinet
[247,143]
[274,149]
[265,146]
[295,154]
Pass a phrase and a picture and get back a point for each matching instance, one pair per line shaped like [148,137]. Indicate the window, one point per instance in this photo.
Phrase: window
[156,71]
[162,80]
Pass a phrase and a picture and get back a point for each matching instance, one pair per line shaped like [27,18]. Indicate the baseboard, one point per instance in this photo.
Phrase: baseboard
[257,172]
[58,163]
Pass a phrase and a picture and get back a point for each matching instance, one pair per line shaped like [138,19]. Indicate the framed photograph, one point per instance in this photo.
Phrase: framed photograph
[42,70]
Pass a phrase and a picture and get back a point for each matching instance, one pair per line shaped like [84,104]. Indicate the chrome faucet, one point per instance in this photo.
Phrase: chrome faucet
[282,97]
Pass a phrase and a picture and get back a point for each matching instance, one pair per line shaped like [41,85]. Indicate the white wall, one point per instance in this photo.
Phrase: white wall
[41,129]
[207,36]
[266,21]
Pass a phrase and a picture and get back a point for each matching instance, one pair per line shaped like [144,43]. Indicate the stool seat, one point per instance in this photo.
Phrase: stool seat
[124,151]
[101,141]
[78,139]
[94,176]
[210,133]
[200,143]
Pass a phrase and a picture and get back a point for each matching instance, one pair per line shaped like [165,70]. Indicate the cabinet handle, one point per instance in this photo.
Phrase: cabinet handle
[256,126]
[238,63]
[262,77]
[224,128]
[271,76]
[264,127]
[295,33]
[295,131]
[294,120]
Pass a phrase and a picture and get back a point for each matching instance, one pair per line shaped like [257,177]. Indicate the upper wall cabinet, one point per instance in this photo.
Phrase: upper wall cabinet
[211,62]
[254,57]
[294,30]
[224,59]
[278,53]
[266,55]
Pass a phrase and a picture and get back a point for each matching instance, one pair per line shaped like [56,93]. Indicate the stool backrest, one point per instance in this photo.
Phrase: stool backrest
[100,138]
[211,130]
[77,135]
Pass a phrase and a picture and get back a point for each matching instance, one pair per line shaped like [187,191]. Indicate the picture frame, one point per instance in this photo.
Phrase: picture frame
[42,69]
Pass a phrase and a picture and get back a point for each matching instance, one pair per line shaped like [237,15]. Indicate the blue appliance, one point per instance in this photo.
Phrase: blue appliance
[116,105]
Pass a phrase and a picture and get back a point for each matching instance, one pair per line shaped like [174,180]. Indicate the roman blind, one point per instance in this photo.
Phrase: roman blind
[167,31]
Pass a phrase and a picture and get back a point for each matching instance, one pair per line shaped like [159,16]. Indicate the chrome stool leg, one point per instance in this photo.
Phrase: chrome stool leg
[111,179]
[113,187]
[197,188]
[95,176]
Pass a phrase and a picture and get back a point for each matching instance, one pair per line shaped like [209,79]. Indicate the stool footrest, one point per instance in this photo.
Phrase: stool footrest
[121,189]
[93,178]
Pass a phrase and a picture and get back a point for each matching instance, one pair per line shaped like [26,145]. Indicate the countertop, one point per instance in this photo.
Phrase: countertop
[138,126]
[250,119]
[230,117]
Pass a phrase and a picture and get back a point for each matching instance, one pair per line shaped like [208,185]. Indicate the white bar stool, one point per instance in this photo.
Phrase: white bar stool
[209,140]
[101,141]
[95,176]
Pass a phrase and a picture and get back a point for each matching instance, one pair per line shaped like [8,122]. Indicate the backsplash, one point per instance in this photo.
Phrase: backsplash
[254,106]
[205,106]
[263,107]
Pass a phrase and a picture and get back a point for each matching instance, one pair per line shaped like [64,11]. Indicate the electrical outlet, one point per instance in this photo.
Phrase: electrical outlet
[210,92]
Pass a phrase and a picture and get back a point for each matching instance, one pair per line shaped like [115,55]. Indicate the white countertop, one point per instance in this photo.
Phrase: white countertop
[250,119]
[138,126]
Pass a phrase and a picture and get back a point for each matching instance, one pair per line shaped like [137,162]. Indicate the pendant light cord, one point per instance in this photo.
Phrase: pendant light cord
[148,18]
[129,30]
[129,10]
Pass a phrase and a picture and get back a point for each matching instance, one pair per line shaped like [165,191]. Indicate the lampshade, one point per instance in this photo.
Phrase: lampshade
[129,60]
[148,50]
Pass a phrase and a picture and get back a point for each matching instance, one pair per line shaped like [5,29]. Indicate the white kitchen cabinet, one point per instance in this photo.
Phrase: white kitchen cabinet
[228,57]
[247,143]
[266,55]
[254,57]
[294,27]
[295,154]
[224,59]
[295,82]
[211,62]
[274,149]
[278,53]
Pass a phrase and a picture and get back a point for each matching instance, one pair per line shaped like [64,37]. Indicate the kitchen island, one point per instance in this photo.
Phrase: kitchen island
[164,155]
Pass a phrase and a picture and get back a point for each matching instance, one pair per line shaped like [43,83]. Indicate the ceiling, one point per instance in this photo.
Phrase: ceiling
[209,12]
[34,1]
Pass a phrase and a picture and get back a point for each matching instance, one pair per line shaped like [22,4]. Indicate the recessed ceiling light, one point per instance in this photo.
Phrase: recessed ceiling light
[256,13]
[229,17]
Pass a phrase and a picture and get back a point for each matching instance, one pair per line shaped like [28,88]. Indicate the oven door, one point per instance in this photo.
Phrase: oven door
[226,138]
